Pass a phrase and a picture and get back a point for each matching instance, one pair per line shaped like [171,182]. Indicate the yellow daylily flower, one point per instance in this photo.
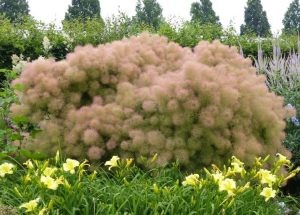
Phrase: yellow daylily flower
[154,158]
[27,178]
[266,177]
[29,164]
[129,162]
[228,185]
[69,165]
[65,182]
[292,174]
[6,168]
[42,212]
[93,175]
[48,171]
[245,187]
[192,180]
[50,182]
[18,192]
[258,162]
[57,156]
[237,161]
[268,193]
[237,168]
[113,162]
[282,159]
[155,188]
[218,176]
[31,205]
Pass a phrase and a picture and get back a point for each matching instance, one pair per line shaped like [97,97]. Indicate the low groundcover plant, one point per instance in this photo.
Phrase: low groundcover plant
[57,186]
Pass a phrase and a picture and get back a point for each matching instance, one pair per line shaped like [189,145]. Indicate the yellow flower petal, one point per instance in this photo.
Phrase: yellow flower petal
[48,171]
[113,162]
[31,205]
[266,177]
[29,164]
[268,193]
[191,180]
[228,185]
[129,162]
[50,182]
[282,159]
[70,165]
[217,176]
[6,168]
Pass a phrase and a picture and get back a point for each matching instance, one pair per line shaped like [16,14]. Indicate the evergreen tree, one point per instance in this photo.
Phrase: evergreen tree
[256,20]
[291,21]
[83,9]
[149,12]
[15,10]
[204,13]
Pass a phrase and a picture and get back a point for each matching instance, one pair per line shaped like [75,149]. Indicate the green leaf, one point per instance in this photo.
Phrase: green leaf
[19,87]
[33,155]
[35,132]
[15,136]
[20,119]
[3,155]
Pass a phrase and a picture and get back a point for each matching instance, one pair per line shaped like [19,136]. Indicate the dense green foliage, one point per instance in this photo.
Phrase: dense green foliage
[27,39]
[292,141]
[256,20]
[148,12]
[204,13]
[291,19]
[14,10]
[83,10]
[12,129]
[52,186]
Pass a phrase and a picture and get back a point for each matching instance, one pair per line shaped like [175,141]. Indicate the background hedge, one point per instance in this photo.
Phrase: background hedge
[27,38]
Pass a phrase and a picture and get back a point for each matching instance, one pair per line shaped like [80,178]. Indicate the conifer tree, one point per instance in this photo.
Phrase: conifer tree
[256,20]
[204,13]
[14,10]
[149,12]
[83,9]
[291,21]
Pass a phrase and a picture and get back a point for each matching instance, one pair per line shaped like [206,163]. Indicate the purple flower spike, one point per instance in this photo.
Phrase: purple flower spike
[9,124]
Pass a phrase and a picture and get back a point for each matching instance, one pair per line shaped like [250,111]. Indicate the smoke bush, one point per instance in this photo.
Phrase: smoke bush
[145,95]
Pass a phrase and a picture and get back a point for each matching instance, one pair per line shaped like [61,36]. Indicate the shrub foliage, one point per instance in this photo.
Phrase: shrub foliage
[145,95]
[27,38]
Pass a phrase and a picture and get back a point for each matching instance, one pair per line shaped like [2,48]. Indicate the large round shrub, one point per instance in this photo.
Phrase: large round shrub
[145,95]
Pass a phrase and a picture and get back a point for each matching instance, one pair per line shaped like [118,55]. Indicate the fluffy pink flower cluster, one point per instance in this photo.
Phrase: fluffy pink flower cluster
[145,95]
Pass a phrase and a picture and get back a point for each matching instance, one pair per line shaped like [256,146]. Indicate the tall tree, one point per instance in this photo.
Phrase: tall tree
[83,9]
[14,9]
[291,21]
[149,12]
[256,20]
[204,13]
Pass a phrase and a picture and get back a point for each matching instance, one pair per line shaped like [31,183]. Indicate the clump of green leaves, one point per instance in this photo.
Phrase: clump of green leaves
[13,130]
[67,186]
